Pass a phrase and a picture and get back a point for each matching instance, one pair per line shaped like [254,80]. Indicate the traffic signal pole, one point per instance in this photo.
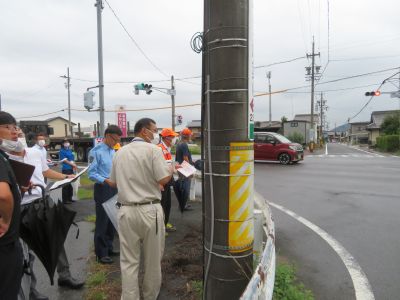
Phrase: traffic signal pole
[173,102]
[228,173]
[99,6]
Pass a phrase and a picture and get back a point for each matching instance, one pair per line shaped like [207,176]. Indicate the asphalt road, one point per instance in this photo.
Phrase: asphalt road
[352,195]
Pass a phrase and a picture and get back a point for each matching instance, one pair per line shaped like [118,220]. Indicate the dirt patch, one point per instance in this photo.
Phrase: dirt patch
[182,266]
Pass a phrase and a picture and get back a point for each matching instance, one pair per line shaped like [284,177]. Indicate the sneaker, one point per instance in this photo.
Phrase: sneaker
[170,228]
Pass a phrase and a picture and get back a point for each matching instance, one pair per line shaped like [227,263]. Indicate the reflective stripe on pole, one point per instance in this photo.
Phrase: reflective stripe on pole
[241,193]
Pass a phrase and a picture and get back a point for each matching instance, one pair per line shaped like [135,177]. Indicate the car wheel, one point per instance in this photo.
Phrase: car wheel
[284,158]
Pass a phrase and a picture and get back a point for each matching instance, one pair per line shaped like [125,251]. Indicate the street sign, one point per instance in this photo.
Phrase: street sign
[171,92]
[121,119]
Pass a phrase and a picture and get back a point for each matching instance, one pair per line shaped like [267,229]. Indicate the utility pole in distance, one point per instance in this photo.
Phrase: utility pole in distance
[173,102]
[269,90]
[314,69]
[67,86]
[99,6]
[228,173]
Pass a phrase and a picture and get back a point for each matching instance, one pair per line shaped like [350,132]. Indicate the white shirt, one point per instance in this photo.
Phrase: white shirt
[34,158]
[42,150]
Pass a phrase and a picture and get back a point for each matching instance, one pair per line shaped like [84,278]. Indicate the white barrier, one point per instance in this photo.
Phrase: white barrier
[261,285]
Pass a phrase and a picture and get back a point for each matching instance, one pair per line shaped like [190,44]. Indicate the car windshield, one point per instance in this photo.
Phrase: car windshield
[282,139]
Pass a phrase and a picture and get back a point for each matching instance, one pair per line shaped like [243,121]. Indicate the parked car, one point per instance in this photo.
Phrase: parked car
[270,146]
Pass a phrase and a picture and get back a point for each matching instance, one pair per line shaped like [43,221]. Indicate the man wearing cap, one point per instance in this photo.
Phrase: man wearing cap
[168,139]
[183,154]
[138,170]
[100,159]
[10,199]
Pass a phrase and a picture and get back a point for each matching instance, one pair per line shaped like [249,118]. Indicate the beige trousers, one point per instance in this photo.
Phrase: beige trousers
[137,224]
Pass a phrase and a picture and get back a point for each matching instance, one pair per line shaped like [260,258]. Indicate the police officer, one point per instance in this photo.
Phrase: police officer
[10,198]
[100,159]
[68,168]
[168,139]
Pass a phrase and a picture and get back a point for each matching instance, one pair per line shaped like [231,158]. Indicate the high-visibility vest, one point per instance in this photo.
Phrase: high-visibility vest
[166,153]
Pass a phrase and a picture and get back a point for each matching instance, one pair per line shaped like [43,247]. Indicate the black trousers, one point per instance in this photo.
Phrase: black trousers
[11,270]
[67,190]
[166,201]
[104,231]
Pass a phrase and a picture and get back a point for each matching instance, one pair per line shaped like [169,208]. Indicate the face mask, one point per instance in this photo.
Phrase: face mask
[12,146]
[174,141]
[66,145]
[156,139]
[23,142]
[41,143]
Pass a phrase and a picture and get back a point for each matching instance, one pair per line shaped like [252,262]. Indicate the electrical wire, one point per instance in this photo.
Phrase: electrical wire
[142,109]
[134,41]
[280,62]
[196,42]
[41,115]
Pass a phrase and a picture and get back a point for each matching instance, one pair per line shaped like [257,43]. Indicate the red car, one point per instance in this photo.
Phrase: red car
[275,147]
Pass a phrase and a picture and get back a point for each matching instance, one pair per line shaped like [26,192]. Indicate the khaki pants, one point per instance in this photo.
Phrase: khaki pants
[137,224]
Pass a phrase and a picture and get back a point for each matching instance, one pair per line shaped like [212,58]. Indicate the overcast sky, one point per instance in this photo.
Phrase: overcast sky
[41,38]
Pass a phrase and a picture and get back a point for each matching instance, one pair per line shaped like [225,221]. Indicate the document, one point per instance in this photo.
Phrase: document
[63,182]
[187,169]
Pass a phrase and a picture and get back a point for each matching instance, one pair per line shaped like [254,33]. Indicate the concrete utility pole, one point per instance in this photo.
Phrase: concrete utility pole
[67,86]
[269,90]
[312,55]
[322,107]
[99,6]
[228,173]
[173,102]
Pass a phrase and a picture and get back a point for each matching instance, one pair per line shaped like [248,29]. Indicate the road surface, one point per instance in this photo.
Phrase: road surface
[352,195]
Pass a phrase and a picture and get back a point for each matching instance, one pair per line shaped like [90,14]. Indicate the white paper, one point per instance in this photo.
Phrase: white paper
[111,210]
[186,169]
[59,183]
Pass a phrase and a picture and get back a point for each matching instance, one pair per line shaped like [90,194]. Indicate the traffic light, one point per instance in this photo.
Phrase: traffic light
[147,88]
[373,93]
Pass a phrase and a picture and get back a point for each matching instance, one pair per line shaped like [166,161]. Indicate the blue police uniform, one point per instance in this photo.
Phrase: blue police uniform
[100,159]
[67,190]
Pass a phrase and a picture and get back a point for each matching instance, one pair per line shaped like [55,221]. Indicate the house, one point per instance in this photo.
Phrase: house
[374,126]
[358,133]
[59,125]
[265,126]
[297,127]
[307,117]
[195,127]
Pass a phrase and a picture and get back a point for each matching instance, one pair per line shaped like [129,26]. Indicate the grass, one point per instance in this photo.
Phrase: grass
[85,180]
[84,194]
[197,286]
[96,279]
[90,218]
[287,286]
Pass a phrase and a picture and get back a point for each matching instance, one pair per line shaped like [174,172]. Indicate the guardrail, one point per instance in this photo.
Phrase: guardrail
[261,285]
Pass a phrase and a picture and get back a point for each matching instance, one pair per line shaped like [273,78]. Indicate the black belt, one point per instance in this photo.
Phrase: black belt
[119,204]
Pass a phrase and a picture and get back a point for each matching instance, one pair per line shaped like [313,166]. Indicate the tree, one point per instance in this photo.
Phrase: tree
[391,124]
[284,119]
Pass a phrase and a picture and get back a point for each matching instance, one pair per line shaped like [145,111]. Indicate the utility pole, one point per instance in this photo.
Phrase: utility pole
[269,90]
[67,86]
[313,73]
[173,102]
[99,6]
[228,152]
[321,105]
[0,102]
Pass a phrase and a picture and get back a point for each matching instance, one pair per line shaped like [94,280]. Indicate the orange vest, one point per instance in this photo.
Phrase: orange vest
[166,153]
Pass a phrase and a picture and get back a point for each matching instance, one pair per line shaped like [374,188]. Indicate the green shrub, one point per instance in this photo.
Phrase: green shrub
[388,143]
[296,137]
[286,287]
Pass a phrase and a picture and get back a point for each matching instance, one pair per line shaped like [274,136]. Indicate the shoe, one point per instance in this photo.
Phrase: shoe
[188,207]
[105,260]
[67,202]
[113,253]
[71,283]
[35,295]
[170,228]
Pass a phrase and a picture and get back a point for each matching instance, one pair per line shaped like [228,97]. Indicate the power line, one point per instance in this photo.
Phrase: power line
[143,109]
[280,62]
[365,58]
[133,40]
[41,115]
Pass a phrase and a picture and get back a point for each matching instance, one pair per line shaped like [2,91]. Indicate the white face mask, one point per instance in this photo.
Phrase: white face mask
[23,141]
[12,146]
[41,143]
[156,139]
[174,141]
[66,145]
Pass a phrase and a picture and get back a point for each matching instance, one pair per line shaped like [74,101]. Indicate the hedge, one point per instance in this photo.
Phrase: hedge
[389,143]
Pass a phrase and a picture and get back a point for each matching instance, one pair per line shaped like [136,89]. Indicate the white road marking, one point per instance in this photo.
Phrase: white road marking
[326,149]
[361,284]
[358,149]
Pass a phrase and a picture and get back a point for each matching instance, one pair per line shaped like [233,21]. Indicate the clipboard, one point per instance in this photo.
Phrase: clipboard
[22,171]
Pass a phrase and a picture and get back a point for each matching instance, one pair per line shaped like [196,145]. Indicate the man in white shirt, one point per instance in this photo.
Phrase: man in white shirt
[34,157]
[40,140]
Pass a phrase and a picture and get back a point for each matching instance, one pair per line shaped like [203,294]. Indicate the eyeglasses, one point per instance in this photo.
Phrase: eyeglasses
[10,127]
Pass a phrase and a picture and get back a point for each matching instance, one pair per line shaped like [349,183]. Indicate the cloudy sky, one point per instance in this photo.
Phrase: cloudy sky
[41,38]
